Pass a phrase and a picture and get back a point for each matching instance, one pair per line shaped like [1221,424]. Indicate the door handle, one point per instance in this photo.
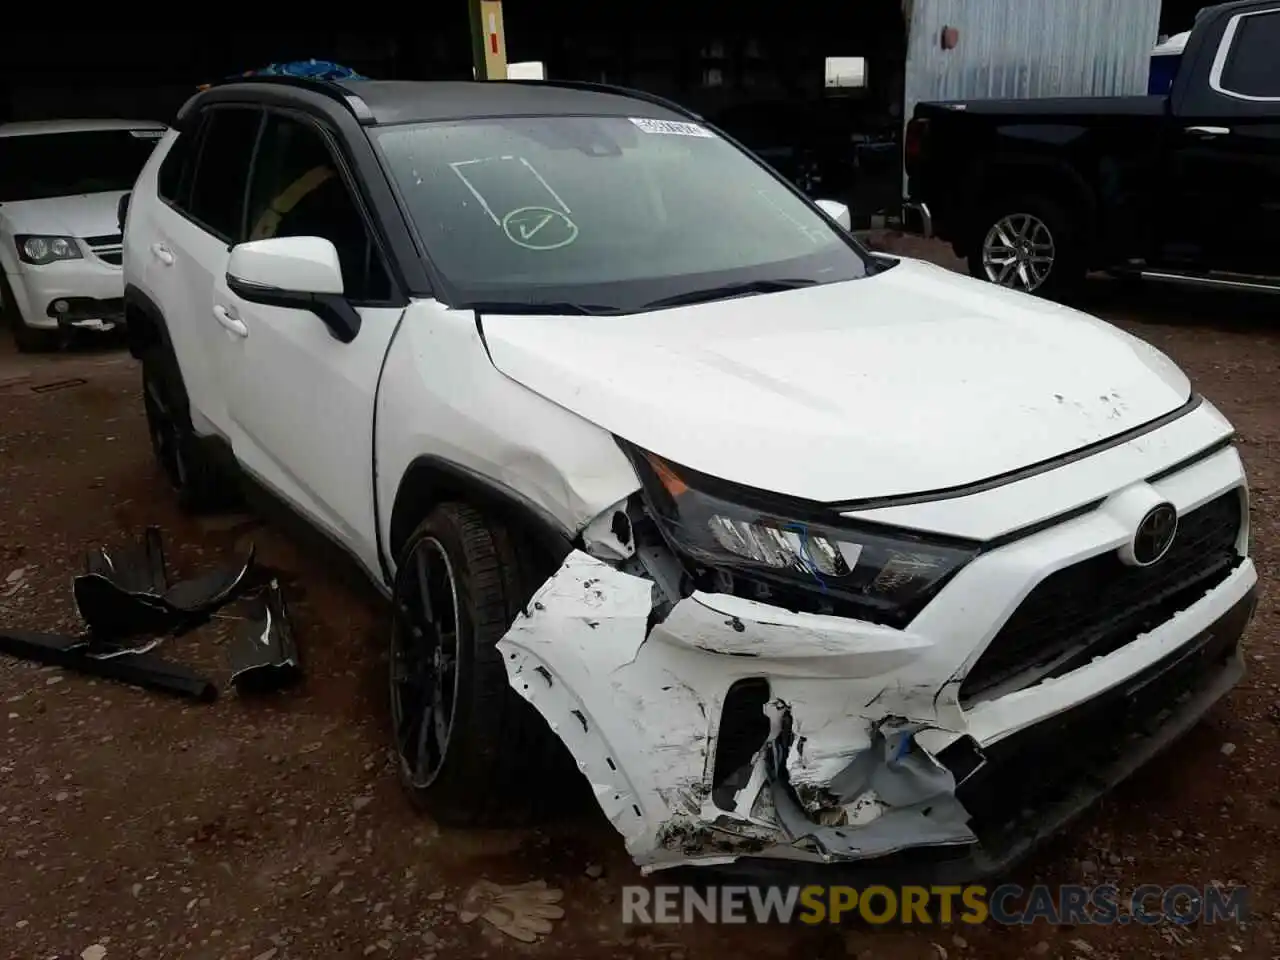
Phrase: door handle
[1209,131]
[162,253]
[229,320]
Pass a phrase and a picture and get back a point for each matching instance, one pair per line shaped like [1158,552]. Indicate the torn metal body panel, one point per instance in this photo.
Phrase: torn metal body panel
[893,795]
[264,656]
[641,711]
[716,729]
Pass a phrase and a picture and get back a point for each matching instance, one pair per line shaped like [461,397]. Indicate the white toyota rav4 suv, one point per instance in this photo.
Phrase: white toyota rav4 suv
[797,552]
[60,184]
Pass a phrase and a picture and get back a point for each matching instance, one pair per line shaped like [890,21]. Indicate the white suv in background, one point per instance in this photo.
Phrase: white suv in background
[60,245]
[795,552]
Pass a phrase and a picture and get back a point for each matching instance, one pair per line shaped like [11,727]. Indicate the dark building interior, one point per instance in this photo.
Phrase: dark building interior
[708,57]
[758,71]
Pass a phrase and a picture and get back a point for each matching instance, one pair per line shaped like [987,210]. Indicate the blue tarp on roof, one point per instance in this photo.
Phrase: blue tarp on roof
[314,69]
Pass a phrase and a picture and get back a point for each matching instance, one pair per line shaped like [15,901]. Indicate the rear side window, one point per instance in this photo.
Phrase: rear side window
[222,173]
[173,182]
[1252,68]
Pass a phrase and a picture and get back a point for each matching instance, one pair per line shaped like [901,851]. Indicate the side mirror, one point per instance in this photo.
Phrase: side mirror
[122,211]
[296,273]
[837,211]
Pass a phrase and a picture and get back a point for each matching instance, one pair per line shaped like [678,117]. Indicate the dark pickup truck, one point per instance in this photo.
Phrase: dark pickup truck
[1184,187]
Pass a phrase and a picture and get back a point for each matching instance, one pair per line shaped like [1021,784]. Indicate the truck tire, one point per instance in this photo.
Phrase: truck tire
[1028,242]
[26,339]
[196,480]
[470,751]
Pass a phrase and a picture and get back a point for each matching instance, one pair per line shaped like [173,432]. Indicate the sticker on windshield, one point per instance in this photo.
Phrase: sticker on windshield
[677,128]
[539,228]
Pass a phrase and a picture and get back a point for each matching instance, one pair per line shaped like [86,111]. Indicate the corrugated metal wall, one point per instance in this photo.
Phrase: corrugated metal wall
[1029,48]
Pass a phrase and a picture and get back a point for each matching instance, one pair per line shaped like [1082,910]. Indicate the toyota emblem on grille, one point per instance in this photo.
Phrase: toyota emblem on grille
[1155,535]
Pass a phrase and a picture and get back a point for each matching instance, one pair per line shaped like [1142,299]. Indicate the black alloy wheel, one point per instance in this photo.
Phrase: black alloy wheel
[424,661]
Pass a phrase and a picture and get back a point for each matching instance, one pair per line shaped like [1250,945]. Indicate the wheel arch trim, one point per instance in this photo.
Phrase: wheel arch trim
[430,480]
[155,325]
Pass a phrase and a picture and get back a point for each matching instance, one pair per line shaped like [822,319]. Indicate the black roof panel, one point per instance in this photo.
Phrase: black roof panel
[408,101]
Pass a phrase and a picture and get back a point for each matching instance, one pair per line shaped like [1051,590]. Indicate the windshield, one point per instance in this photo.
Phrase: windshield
[609,213]
[39,166]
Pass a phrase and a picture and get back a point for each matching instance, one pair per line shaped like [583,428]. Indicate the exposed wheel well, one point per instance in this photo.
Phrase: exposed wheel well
[430,481]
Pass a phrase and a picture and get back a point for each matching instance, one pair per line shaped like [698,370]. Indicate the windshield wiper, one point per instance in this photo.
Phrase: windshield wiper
[729,290]
[546,308]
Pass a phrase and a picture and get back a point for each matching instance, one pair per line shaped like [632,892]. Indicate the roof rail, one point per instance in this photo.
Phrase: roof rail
[614,89]
[328,88]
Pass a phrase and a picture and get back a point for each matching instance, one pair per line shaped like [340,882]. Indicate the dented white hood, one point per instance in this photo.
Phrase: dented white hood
[913,380]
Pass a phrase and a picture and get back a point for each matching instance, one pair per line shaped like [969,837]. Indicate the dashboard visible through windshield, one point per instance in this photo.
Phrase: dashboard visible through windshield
[609,214]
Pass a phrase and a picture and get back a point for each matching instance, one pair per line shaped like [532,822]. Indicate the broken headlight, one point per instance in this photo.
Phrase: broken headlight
[884,575]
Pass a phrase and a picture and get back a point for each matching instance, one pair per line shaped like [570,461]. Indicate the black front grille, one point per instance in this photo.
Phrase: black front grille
[116,258]
[108,240]
[1071,751]
[1096,606]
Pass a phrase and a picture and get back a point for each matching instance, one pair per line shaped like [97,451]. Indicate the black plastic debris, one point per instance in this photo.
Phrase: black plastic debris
[264,656]
[129,606]
[126,593]
[139,669]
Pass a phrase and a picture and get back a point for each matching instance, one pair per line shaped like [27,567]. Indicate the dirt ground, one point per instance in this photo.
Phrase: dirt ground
[273,829]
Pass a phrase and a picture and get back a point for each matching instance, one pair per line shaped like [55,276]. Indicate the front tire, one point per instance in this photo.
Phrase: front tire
[1030,243]
[470,750]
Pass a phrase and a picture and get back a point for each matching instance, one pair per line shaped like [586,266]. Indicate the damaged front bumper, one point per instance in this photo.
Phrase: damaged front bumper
[728,731]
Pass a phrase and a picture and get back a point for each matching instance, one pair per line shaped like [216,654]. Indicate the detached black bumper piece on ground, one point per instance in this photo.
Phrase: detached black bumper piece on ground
[126,593]
[128,605]
[265,655]
[138,669]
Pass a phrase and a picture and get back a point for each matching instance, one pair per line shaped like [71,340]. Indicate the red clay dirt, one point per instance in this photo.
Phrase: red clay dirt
[273,828]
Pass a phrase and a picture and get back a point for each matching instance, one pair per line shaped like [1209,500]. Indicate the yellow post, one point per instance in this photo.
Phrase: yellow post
[488,40]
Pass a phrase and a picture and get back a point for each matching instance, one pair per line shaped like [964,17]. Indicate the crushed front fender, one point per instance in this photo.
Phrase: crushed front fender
[858,749]
[640,704]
